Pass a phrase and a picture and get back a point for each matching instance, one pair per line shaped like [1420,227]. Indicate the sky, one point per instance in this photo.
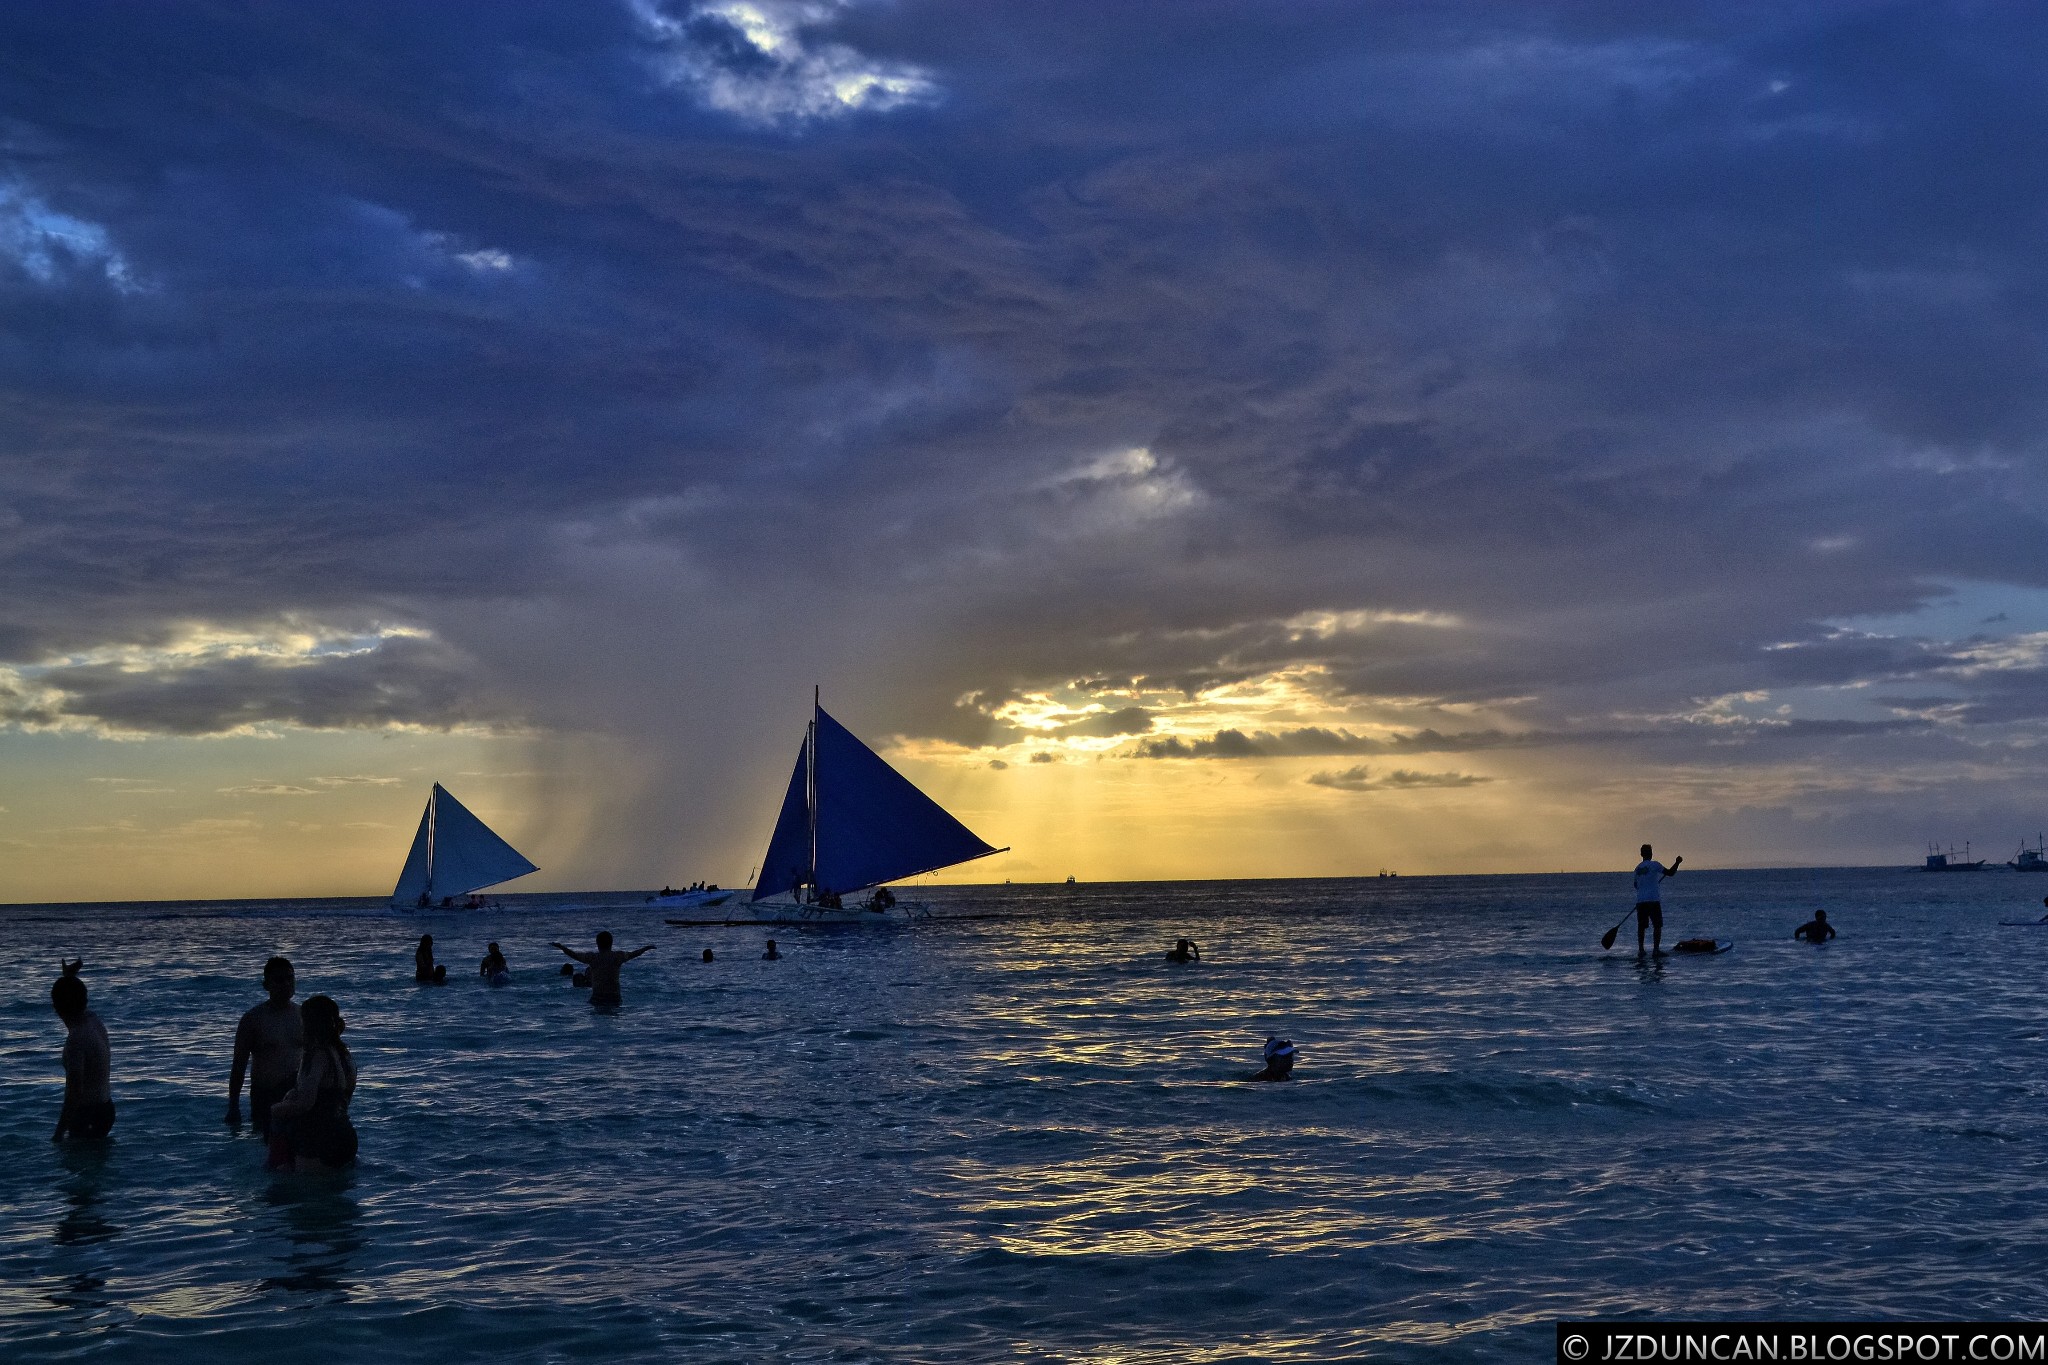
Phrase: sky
[1189,439]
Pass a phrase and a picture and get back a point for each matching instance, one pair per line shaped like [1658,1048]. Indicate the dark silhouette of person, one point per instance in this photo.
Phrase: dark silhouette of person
[310,1127]
[707,955]
[493,963]
[1279,1054]
[1184,950]
[1649,877]
[604,967]
[87,1114]
[424,969]
[771,955]
[268,1041]
[1817,929]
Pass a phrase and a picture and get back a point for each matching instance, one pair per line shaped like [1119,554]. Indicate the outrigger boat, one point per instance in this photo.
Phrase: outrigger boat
[452,855]
[1948,862]
[2033,859]
[849,825]
[701,898]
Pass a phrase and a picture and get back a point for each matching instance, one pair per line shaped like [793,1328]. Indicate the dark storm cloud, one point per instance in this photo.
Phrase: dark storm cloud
[600,341]
[402,681]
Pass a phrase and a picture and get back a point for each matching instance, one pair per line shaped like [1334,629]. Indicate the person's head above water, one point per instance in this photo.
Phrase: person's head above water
[322,1020]
[426,940]
[1646,852]
[1821,915]
[707,955]
[604,940]
[67,996]
[279,979]
[493,947]
[1279,1056]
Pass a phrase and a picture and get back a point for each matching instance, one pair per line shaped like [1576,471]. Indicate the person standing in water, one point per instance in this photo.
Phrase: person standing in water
[1817,929]
[1650,875]
[493,963]
[771,955]
[424,969]
[1184,950]
[604,967]
[311,1127]
[88,1111]
[267,1044]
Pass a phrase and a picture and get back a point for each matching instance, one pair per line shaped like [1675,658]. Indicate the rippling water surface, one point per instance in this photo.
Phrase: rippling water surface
[1028,1137]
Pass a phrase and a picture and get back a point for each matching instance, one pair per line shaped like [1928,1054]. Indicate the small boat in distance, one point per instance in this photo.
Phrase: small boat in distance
[1948,862]
[2033,859]
[695,898]
[453,854]
[850,823]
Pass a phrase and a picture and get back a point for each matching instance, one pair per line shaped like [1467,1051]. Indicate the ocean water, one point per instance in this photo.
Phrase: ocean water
[1029,1138]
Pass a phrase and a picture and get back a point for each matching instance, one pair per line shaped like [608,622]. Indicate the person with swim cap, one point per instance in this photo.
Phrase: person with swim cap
[1650,875]
[267,1045]
[424,969]
[604,967]
[1817,929]
[88,1110]
[1279,1054]
[311,1128]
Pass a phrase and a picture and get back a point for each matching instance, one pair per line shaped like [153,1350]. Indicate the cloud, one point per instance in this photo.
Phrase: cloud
[210,682]
[268,789]
[761,61]
[1360,779]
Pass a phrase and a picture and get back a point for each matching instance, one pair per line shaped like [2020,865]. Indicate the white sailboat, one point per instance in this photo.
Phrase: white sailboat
[453,854]
[851,823]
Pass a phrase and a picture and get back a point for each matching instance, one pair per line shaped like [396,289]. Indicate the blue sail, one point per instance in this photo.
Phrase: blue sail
[788,860]
[873,825]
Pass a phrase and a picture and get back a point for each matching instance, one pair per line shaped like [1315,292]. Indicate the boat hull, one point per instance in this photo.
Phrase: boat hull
[692,900]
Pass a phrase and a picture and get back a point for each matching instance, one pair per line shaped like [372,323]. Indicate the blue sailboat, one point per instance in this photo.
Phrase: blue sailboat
[849,824]
[453,854]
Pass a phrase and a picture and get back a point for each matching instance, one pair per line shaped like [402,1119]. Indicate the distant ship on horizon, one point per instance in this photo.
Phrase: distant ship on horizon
[1948,862]
[2033,859]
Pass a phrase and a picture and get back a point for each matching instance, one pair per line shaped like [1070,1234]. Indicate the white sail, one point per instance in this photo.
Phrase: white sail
[453,854]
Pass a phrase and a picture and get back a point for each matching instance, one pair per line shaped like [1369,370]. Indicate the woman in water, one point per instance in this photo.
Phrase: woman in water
[494,964]
[310,1129]
[424,970]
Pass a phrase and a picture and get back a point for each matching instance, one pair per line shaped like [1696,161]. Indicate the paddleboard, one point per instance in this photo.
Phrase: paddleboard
[1706,947]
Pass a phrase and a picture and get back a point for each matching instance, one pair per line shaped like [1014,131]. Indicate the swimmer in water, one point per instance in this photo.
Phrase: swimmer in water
[707,955]
[604,967]
[493,963]
[88,1111]
[1279,1061]
[771,955]
[424,970]
[1817,929]
[267,1045]
[312,1129]
[1184,950]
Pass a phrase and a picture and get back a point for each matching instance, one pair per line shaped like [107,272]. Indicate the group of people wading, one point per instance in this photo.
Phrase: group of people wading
[300,1074]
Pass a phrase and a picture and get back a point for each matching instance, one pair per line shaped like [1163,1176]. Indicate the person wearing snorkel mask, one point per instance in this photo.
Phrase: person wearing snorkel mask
[1279,1061]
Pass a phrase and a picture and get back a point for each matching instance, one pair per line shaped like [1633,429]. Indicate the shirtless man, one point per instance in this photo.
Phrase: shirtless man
[88,1112]
[267,1044]
[604,967]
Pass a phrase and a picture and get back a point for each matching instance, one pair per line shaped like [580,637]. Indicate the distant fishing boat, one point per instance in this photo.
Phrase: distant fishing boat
[851,823]
[2033,859]
[1948,862]
[453,854]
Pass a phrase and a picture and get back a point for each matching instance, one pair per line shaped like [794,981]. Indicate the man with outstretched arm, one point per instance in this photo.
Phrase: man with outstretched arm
[267,1046]
[1650,875]
[604,967]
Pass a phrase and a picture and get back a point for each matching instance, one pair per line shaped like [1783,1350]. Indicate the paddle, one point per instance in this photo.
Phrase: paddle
[1607,939]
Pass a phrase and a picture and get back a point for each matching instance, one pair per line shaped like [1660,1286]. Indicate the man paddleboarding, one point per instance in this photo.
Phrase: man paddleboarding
[1650,875]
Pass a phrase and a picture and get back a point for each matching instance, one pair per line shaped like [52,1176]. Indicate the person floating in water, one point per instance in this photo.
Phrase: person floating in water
[1650,875]
[310,1128]
[1817,929]
[771,955]
[493,963]
[604,967]
[88,1110]
[424,970]
[1279,1055]
[1184,950]
[267,1046]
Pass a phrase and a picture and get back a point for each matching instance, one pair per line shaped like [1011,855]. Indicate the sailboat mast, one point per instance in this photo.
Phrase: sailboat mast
[433,805]
[811,785]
